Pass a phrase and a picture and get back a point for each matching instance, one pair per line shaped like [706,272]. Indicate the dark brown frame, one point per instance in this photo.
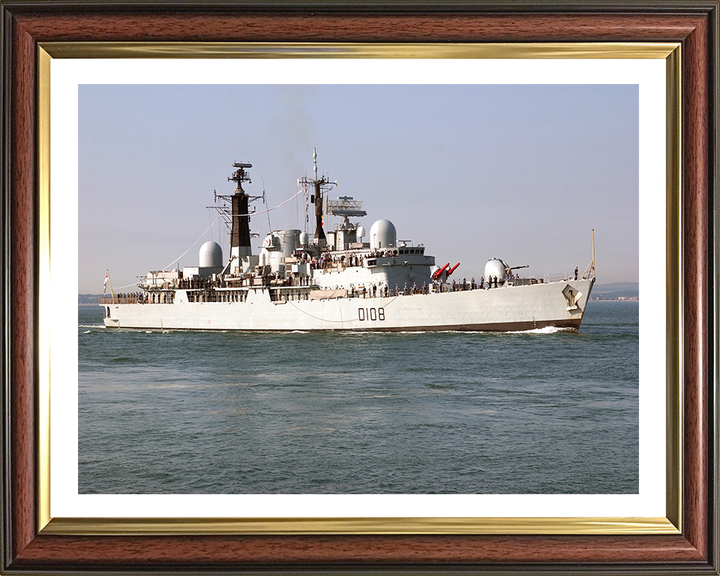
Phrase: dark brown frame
[692,23]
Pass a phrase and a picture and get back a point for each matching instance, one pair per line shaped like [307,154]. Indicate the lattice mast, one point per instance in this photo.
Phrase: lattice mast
[320,186]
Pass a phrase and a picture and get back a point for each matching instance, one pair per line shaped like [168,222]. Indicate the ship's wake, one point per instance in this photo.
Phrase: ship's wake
[544,330]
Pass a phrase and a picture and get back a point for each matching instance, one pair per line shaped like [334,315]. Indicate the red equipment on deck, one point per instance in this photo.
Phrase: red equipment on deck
[438,272]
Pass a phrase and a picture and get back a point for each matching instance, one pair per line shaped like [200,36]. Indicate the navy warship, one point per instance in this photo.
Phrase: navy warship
[345,279]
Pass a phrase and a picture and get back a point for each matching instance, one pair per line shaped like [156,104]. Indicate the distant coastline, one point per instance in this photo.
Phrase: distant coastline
[617,291]
[89,299]
[618,299]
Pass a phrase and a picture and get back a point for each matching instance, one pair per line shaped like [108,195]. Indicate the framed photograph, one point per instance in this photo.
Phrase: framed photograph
[103,105]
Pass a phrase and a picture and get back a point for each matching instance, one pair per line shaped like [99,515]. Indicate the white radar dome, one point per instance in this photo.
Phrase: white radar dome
[360,231]
[494,268]
[382,235]
[210,255]
[304,239]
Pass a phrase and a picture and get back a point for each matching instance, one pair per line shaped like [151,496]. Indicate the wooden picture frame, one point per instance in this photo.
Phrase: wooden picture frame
[29,548]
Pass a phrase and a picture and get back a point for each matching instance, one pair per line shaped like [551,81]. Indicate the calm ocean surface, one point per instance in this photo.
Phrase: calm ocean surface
[315,413]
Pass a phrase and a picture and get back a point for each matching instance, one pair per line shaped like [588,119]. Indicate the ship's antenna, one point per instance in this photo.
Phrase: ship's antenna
[307,207]
[264,202]
[315,163]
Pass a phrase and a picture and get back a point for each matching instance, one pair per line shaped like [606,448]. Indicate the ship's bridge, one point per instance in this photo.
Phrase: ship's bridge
[411,250]
[404,255]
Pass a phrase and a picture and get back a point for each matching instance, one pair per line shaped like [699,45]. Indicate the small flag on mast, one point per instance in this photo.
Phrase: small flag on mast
[107,277]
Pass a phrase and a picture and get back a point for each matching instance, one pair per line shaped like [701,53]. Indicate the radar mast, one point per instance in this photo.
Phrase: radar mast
[235,212]
[320,186]
[240,229]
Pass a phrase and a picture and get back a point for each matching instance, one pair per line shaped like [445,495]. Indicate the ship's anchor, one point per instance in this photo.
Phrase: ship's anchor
[572,298]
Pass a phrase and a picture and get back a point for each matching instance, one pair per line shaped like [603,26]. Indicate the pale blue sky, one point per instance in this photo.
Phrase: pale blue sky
[519,172]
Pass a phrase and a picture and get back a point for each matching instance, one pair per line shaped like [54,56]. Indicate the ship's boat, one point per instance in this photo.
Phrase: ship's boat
[339,281]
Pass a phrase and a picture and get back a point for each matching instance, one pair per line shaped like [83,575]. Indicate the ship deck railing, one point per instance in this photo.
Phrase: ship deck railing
[564,277]
[129,299]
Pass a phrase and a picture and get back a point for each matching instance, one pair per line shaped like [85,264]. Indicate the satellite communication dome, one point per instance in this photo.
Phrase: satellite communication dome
[495,267]
[304,239]
[360,231]
[210,255]
[382,235]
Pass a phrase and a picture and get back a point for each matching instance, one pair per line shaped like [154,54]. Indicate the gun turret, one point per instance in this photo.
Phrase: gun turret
[509,268]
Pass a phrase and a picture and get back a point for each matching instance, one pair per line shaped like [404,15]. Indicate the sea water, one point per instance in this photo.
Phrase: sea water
[183,412]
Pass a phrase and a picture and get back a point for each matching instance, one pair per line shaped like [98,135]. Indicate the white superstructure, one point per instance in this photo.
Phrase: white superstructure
[339,282]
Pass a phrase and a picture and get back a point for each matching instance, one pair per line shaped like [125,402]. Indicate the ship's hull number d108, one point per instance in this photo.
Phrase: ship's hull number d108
[372,314]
